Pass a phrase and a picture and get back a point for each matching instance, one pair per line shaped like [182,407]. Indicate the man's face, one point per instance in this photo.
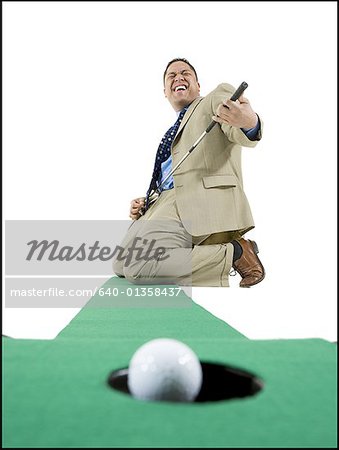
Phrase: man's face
[181,86]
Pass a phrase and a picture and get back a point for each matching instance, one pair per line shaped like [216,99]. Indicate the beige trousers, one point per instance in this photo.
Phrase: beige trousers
[188,261]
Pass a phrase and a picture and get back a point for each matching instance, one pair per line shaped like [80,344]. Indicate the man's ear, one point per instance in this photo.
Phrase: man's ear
[165,93]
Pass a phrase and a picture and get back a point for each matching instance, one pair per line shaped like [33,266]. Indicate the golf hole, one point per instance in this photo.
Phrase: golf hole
[220,383]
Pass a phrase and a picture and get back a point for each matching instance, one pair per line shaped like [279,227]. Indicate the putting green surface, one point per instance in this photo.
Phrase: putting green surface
[56,392]
[146,318]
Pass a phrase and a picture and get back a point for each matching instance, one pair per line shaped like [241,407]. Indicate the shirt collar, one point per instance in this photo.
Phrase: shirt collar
[183,109]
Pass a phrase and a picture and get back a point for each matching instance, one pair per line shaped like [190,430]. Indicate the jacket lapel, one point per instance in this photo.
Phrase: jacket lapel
[188,114]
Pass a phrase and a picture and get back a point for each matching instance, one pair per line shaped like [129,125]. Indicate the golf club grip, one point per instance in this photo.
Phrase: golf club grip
[239,91]
[234,97]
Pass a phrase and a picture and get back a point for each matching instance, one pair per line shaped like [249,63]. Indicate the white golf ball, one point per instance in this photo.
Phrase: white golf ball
[164,369]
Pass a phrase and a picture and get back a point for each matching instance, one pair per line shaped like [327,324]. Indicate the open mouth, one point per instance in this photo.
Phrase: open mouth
[179,88]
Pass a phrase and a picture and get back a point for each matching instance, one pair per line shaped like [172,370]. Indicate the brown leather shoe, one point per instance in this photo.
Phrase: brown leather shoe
[248,265]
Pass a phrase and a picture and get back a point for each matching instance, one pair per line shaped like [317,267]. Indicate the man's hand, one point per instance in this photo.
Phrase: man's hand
[238,114]
[136,205]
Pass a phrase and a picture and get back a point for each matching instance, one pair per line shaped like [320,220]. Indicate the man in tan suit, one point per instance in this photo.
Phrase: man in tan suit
[202,213]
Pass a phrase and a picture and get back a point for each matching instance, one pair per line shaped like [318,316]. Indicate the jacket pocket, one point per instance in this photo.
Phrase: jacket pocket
[220,181]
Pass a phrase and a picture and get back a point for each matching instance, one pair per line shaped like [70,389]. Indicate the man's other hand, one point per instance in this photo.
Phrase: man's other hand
[238,114]
[136,205]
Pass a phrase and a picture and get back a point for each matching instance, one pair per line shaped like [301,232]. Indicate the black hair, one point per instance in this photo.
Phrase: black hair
[183,60]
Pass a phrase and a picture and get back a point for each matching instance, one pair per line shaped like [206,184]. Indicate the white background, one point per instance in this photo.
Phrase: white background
[84,111]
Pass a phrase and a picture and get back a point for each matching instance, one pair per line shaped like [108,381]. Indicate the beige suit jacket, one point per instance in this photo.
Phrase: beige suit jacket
[209,185]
